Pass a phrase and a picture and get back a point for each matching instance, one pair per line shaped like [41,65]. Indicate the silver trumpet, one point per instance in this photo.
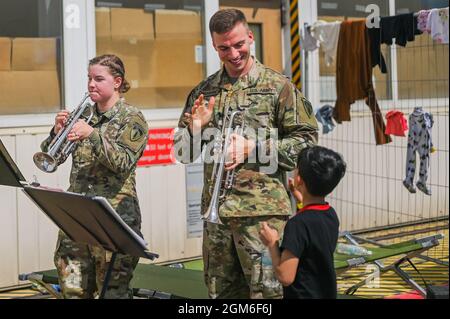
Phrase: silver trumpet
[60,147]
[221,184]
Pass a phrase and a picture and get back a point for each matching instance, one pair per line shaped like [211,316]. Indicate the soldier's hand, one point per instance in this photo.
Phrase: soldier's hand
[238,151]
[268,235]
[60,120]
[80,131]
[201,113]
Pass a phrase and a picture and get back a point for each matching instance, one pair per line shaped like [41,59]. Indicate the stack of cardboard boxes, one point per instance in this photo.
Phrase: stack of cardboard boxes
[158,49]
[29,81]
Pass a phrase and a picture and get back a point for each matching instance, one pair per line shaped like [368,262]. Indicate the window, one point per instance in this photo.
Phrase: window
[257,50]
[30,56]
[161,45]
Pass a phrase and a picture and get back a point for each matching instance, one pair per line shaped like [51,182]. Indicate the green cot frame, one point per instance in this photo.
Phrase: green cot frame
[164,282]
[404,251]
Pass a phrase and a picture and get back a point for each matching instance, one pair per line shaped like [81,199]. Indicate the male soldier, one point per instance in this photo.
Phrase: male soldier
[103,164]
[232,250]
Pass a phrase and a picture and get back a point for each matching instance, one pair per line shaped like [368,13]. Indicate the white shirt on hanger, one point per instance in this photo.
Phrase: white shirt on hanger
[327,33]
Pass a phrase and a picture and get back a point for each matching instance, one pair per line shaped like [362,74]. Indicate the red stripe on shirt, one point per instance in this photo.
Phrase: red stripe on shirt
[320,207]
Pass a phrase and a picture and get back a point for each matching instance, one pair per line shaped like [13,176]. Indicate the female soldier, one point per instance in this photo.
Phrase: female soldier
[103,164]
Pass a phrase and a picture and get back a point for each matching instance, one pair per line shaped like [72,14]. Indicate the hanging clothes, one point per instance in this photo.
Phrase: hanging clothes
[403,28]
[422,20]
[308,43]
[327,33]
[437,23]
[375,50]
[325,116]
[419,141]
[396,123]
[354,76]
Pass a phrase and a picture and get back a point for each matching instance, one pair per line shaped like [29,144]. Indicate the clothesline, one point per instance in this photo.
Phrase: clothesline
[325,34]
[357,49]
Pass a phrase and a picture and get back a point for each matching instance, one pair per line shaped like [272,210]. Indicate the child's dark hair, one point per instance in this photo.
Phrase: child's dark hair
[321,169]
[115,67]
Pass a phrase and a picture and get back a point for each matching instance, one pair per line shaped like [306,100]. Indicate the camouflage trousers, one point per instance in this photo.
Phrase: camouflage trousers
[232,258]
[82,268]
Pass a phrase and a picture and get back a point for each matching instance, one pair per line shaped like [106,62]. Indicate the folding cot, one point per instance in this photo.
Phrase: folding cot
[403,252]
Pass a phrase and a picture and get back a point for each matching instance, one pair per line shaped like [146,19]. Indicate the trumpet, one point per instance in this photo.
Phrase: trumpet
[60,147]
[221,184]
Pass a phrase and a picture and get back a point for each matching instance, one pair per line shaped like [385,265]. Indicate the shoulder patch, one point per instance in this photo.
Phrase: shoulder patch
[136,133]
[308,107]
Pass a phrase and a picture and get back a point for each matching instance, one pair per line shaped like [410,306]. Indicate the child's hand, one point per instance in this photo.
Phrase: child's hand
[298,196]
[268,235]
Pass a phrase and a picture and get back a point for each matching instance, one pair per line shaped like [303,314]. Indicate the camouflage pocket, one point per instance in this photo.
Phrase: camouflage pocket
[259,112]
[83,152]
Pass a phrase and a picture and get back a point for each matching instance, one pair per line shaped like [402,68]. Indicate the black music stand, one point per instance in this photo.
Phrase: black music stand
[89,220]
[10,174]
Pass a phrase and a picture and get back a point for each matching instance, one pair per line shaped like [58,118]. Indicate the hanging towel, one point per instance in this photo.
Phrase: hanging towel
[437,23]
[307,42]
[354,76]
[396,123]
[327,33]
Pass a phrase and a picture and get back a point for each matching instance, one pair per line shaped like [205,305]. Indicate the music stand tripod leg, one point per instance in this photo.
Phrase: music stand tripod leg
[108,276]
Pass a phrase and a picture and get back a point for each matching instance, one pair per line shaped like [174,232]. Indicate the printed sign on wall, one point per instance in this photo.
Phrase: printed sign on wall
[159,148]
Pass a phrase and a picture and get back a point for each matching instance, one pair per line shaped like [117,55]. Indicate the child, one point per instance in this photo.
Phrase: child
[304,262]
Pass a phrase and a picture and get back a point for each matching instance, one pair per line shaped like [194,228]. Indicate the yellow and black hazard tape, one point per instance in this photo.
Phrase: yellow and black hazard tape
[295,44]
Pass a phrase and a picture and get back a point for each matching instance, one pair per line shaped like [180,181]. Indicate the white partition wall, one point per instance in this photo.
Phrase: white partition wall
[8,228]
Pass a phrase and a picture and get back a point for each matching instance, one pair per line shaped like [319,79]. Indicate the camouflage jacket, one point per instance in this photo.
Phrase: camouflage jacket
[270,101]
[104,164]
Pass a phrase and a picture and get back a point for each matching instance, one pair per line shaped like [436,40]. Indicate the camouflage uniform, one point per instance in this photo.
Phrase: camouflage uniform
[104,165]
[232,252]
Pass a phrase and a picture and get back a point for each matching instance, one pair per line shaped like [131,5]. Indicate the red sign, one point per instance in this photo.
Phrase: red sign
[159,148]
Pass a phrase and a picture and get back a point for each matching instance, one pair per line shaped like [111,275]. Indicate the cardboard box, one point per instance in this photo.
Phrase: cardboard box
[32,54]
[5,54]
[131,24]
[142,97]
[29,92]
[176,64]
[149,97]
[178,24]
[139,59]
[172,97]
[103,22]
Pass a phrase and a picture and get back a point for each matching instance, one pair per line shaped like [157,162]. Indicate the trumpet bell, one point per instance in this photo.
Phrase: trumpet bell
[45,162]
[212,215]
